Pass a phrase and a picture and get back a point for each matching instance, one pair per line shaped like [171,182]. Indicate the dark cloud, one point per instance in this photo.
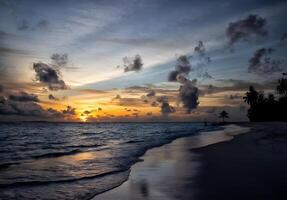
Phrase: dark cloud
[50,76]
[117,97]
[244,29]
[154,104]
[86,112]
[27,108]
[166,108]
[69,111]
[151,93]
[149,113]
[60,59]
[52,97]
[23,97]
[200,68]
[133,64]
[172,75]
[135,114]
[188,94]
[200,48]
[262,63]
[183,66]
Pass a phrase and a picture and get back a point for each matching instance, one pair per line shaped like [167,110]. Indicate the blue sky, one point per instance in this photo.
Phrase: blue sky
[97,35]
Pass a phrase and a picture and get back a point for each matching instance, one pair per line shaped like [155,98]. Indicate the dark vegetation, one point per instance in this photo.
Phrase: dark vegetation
[272,107]
[223,115]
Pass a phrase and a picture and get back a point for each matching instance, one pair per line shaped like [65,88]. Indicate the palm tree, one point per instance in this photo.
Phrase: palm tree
[282,87]
[223,115]
[251,97]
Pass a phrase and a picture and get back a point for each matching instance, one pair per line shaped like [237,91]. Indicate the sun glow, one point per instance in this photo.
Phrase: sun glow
[83,118]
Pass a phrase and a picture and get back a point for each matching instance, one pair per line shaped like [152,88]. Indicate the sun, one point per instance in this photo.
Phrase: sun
[83,118]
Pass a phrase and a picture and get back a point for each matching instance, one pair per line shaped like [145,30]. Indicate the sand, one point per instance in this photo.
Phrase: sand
[170,171]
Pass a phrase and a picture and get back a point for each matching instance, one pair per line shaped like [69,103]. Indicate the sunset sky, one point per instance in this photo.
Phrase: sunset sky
[112,60]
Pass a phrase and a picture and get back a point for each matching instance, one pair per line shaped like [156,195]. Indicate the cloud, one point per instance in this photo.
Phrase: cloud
[241,85]
[42,24]
[149,113]
[235,96]
[50,76]
[60,59]
[205,75]
[166,108]
[132,63]
[200,48]
[242,30]
[183,66]
[23,97]
[262,63]
[69,111]
[211,110]
[154,104]
[87,112]
[200,67]
[26,107]
[52,97]
[151,93]
[117,97]
[188,94]
[4,50]
[25,25]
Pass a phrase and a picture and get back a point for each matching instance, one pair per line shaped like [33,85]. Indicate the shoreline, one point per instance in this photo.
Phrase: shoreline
[161,161]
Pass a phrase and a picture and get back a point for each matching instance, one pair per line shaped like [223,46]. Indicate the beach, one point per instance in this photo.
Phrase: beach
[245,161]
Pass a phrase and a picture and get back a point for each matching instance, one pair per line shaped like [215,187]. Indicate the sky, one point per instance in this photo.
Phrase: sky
[137,60]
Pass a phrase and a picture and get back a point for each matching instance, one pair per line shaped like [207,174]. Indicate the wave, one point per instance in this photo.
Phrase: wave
[133,141]
[57,154]
[84,146]
[41,183]
[7,165]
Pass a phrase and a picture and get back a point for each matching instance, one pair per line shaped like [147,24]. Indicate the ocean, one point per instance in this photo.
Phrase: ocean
[76,160]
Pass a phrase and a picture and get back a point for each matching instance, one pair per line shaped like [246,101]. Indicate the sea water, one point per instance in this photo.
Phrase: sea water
[76,160]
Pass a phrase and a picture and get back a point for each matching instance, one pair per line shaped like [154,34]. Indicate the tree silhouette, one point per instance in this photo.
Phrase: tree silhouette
[223,115]
[268,108]
[251,96]
[282,87]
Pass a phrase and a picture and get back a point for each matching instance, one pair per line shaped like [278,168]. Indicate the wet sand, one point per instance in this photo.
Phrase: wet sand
[170,171]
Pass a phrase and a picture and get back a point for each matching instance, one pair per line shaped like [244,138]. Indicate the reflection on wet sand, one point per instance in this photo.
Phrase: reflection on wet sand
[166,170]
